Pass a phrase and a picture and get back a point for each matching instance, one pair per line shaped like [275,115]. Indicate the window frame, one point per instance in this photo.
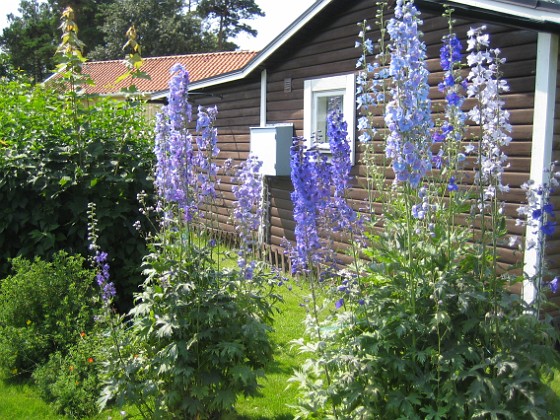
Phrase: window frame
[344,85]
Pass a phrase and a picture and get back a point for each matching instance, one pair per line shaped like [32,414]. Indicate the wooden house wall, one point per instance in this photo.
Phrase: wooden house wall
[238,107]
[326,47]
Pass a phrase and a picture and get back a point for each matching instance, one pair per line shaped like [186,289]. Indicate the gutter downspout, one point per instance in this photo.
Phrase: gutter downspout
[264,225]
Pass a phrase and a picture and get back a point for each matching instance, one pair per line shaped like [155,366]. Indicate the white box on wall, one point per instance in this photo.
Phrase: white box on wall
[271,144]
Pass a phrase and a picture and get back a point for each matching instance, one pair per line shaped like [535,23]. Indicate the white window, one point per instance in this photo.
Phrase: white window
[320,97]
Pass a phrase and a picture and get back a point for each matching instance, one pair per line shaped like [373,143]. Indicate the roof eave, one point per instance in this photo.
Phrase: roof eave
[546,18]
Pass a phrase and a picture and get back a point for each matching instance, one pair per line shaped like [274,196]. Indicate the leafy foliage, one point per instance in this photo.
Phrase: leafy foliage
[70,381]
[43,308]
[48,177]
[162,26]
[428,327]
[198,337]
[229,15]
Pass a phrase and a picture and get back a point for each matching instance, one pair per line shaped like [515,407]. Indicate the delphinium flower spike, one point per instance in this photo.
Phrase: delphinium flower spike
[174,176]
[310,178]
[247,212]
[407,114]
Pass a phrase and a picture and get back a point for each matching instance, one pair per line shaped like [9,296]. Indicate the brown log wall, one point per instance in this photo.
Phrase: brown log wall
[325,47]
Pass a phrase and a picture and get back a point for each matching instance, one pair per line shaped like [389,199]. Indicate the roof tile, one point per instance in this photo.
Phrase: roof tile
[200,66]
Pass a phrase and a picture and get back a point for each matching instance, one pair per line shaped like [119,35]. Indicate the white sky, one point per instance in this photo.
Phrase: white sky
[279,14]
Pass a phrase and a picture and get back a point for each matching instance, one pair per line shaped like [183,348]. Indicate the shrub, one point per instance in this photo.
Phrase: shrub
[43,308]
[70,382]
[47,177]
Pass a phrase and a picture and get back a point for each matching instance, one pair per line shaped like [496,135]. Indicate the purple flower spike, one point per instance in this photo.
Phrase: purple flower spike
[408,114]
[311,179]
[339,303]
[554,285]
[108,290]
[247,211]
[173,145]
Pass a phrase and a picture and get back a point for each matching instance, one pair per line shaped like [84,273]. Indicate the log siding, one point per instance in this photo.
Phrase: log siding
[325,47]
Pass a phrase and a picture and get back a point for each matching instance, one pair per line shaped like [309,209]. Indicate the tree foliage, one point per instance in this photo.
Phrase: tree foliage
[30,39]
[229,15]
[162,27]
[165,27]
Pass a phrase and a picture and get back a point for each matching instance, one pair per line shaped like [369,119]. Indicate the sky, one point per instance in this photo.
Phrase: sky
[279,15]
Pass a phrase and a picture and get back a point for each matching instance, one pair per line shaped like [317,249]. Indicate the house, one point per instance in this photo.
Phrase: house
[315,56]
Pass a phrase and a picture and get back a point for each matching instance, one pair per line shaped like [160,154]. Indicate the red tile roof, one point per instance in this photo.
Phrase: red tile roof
[199,66]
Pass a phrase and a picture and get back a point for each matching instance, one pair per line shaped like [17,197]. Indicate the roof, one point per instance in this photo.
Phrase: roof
[200,66]
[536,4]
[537,13]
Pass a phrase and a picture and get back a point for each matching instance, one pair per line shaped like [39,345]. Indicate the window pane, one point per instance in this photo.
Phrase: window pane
[325,105]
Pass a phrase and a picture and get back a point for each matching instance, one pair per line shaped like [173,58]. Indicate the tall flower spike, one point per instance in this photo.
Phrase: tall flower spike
[173,147]
[407,114]
[539,211]
[343,217]
[337,134]
[486,87]
[207,144]
[108,290]
[247,211]
[310,178]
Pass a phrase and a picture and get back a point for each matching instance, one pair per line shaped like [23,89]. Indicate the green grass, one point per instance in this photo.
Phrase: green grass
[19,401]
[276,393]
[554,399]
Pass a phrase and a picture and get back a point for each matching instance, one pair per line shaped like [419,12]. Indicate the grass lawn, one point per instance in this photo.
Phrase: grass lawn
[19,401]
[275,393]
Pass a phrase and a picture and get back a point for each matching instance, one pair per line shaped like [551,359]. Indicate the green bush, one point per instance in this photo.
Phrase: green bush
[54,161]
[70,382]
[198,337]
[44,306]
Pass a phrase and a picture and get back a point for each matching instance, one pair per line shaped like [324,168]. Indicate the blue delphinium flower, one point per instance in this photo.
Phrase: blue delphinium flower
[311,180]
[423,209]
[539,210]
[407,114]
[341,216]
[174,174]
[337,134]
[553,285]
[102,277]
[185,176]
[339,303]
[207,151]
[453,87]
[179,110]
[450,54]
[486,87]
[452,186]
[367,92]
[247,210]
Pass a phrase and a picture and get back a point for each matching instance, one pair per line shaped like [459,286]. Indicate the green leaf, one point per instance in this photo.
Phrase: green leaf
[64,180]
